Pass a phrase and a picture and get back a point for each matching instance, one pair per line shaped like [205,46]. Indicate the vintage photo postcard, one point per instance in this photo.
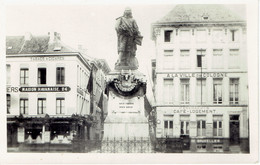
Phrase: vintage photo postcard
[158,82]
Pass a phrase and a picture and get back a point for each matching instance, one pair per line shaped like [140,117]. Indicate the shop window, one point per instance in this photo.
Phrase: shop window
[201,127]
[41,105]
[201,146]
[42,76]
[60,105]
[185,124]
[24,106]
[60,75]
[168,125]
[8,103]
[201,91]
[24,76]
[167,35]
[217,125]
[168,91]
[184,59]
[218,148]
[217,60]
[185,128]
[234,91]
[217,91]
[185,91]
[8,74]
[201,58]
[60,129]
[33,131]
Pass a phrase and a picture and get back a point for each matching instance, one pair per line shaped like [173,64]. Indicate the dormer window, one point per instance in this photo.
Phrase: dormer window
[205,17]
[57,48]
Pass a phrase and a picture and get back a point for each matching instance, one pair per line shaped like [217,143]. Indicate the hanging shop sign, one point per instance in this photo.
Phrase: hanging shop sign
[45,89]
[197,75]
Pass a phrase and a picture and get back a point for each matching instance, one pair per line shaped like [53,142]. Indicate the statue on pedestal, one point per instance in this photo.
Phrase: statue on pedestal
[128,37]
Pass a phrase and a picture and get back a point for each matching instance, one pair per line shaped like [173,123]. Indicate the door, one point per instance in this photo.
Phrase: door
[234,129]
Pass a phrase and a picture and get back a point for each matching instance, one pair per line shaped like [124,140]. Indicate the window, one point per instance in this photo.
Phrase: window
[8,74]
[201,125]
[8,103]
[60,105]
[41,105]
[233,90]
[201,58]
[185,35]
[60,75]
[185,91]
[167,35]
[217,125]
[168,59]
[185,127]
[24,76]
[41,75]
[201,91]
[217,35]
[201,35]
[168,125]
[168,91]
[234,58]
[24,106]
[184,59]
[234,35]
[217,60]
[217,91]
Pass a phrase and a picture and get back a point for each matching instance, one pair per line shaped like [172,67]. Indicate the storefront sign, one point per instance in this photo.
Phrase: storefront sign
[209,140]
[45,89]
[189,111]
[55,58]
[12,89]
[198,75]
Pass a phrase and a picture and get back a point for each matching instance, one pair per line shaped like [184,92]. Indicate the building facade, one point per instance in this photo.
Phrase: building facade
[48,93]
[200,78]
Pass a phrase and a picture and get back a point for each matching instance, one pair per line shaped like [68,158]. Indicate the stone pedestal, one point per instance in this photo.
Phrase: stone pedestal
[126,113]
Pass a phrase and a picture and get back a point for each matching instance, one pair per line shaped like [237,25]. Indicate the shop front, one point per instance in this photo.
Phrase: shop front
[204,129]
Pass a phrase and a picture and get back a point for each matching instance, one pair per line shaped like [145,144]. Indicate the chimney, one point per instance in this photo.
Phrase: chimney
[54,36]
[27,36]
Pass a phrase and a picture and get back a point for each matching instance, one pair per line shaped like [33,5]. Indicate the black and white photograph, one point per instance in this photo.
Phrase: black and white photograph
[129,78]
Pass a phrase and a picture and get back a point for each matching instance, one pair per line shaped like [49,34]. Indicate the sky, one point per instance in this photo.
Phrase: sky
[92,26]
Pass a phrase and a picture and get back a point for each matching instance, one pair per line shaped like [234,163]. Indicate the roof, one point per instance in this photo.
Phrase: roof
[35,45]
[199,13]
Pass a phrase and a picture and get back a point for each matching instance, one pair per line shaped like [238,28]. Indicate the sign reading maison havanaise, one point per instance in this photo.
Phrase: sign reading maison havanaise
[45,89]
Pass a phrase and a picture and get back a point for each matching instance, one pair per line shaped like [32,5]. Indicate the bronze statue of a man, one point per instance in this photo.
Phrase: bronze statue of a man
[128,36]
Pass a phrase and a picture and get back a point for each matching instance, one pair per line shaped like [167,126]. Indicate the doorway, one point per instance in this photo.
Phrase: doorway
[234,129]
